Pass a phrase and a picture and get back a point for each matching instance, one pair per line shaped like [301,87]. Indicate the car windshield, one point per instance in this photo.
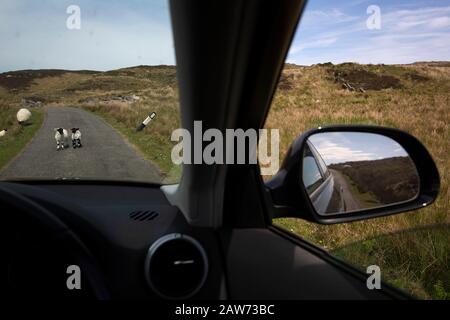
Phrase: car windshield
[88,90]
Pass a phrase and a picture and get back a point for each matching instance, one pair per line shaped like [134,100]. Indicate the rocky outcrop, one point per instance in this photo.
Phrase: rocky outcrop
[31,103]
[119,98]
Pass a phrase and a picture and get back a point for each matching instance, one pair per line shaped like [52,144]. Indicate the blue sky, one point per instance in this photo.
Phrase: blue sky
[113,34]
[121,33]
[337,147]
[336,31]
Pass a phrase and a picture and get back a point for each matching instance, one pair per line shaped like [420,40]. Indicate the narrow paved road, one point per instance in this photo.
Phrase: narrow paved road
[105,154]
[349,201]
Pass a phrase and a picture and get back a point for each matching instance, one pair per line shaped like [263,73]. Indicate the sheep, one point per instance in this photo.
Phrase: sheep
[23,115]
[61,137]
[76,138]
[3,133]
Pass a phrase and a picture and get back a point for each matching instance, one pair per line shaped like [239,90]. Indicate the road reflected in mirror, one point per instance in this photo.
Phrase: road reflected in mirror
[346,172]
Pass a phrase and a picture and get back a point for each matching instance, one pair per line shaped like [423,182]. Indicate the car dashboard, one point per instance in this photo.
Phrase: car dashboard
[143,245]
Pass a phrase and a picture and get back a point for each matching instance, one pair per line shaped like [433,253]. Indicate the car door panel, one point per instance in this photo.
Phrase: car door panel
[270,266]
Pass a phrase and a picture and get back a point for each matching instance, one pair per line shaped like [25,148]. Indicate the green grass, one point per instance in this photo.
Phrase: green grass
[365,199]
[156,149]
[406,258]
[415,261]
[424,273]
[97,92]
[17,136]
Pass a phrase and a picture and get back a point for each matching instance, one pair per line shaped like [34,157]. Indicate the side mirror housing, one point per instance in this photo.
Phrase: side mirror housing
[339,174]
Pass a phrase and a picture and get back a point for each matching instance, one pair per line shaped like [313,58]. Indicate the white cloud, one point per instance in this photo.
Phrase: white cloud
[327,14]
[333,153]
[321,17]
[441,22]
[406,36]
[338,147]
[319,43]
[429,18]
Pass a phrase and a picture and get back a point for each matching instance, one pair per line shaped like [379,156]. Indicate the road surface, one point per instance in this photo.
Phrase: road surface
[105,154]
[341,184]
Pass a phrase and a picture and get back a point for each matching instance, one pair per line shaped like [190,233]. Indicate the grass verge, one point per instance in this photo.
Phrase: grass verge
[414,98]
[17,136]
[155,148]
[417,261]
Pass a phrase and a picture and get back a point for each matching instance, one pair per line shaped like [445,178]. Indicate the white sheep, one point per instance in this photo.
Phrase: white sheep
[61,137]
[23,115]
[3,133]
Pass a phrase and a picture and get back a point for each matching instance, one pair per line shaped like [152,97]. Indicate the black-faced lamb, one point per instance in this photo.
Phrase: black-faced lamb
[76,138]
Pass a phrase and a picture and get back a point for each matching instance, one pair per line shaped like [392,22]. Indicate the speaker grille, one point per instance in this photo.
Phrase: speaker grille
[143,215]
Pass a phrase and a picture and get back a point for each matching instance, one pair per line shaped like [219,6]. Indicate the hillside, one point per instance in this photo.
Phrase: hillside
[414,98]
[124,97]
[315,95]
[389,180]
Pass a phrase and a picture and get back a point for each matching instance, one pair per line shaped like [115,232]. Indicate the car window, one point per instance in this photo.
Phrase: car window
[388,64]
[320,162]
[312,177]
[101,71]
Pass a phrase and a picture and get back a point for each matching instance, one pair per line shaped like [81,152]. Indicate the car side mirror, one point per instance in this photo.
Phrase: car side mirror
[346,173]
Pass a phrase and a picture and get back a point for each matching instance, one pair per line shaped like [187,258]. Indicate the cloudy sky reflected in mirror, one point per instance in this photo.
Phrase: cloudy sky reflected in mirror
[337,147]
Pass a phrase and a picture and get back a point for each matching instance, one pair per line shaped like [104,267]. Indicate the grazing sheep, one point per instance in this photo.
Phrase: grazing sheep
[23,115]
[61,137]
[3,132]
[76,138]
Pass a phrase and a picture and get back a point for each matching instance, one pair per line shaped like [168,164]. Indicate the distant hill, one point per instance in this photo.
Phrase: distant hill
[348,76]
[360,78]
[390,180]
[71,87]
[23,78]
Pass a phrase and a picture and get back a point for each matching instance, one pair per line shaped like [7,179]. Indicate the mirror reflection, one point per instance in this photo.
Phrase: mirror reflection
[352,171]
